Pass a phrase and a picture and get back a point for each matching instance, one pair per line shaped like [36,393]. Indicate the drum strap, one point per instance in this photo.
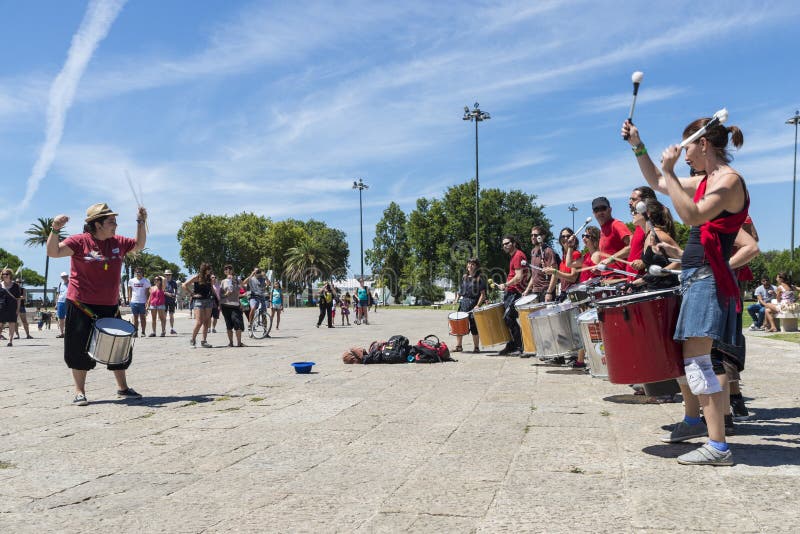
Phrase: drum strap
[85,309]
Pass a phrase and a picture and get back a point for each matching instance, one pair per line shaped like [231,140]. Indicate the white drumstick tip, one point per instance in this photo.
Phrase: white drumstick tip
[637,76]
[721,115]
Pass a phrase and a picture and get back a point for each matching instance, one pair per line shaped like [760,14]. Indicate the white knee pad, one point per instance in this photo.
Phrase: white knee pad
[700,375]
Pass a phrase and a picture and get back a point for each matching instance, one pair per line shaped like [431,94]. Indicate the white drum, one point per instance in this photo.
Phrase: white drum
[593,343]
[111,341]
[525,302]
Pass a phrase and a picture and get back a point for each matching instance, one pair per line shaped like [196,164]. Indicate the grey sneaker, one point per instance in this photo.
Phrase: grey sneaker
[128,393]
[706,455]
[683,431]
[80,400]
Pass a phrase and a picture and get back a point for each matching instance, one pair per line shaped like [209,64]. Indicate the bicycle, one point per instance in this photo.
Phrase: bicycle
[262,324]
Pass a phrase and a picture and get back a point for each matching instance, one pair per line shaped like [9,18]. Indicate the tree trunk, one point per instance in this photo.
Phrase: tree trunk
[310,292]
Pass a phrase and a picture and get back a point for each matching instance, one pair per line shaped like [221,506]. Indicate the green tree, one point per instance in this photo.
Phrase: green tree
[332,240]
[426,242]
[39,232]
[31,277]
[9,260]
[218,239]
[282,236]
[387,259]
[306,262]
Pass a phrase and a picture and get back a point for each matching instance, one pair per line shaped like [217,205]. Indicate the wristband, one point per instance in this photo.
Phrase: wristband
[140,221]
[54,230]
[639,150]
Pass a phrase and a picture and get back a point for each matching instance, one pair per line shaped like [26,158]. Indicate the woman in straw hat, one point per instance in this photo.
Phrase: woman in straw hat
[95,268]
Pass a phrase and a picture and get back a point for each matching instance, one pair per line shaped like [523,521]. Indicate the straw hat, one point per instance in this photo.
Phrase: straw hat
[97,211]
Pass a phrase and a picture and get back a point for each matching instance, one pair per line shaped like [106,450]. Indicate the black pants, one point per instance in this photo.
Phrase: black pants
[510,317]
[326,308]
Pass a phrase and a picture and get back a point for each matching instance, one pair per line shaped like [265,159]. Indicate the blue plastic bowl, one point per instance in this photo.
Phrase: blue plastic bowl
[303,368]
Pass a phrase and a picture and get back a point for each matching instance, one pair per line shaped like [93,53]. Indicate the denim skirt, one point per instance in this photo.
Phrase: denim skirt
[701,313]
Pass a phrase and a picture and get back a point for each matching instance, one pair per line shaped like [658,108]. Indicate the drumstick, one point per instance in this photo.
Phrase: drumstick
[636,78]
[136,197]
[657,270]
[719,118]
[607,255]
[579,230]
[602,268]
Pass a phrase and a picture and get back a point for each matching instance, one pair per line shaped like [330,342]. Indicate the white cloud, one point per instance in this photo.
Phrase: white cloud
[100,14]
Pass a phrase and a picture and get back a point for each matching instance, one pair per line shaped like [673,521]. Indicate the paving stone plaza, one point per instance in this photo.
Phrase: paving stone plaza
[232,440]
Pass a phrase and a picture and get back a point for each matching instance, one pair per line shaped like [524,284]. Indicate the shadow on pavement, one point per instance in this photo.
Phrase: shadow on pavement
[160,402]
[635,399]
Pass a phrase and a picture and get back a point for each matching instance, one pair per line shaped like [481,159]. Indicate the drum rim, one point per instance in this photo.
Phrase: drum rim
[99,326]
[488,306]
[644,296]
[450,315]
[592,311]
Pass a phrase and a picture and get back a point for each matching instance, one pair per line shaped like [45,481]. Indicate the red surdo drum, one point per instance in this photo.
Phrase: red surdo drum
[459,323]
[637,336]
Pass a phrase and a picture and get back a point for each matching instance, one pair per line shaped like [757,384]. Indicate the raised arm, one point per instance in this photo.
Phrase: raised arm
[141,229]
[56,248]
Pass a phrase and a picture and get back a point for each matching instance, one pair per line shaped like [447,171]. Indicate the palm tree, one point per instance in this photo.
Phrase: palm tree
[306,262]
[39,232]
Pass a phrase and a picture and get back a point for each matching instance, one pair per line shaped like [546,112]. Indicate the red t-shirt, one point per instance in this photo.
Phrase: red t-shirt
[564,269]
[587,262]
[612,235]
[96,268]
[637,247]
[514,265]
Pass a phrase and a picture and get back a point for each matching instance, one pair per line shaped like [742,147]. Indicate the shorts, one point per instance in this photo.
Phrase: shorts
[257,302]
[159,307]
[215,312]
[362,303]
[701,313]
[170,306]
[137,308]
[233,318]
[202,304]
[77,331]
[61,310]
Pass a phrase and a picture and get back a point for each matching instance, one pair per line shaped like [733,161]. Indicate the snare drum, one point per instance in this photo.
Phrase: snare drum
[525,302]
[491,327]
[637,335]
[111,341]
[578,294]
[555,329]
[459,323]
[593,343]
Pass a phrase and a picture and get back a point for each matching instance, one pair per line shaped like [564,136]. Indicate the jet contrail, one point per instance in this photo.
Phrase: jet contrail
[100,14]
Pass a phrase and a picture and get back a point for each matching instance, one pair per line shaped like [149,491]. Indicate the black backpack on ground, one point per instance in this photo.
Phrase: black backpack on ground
[394,350]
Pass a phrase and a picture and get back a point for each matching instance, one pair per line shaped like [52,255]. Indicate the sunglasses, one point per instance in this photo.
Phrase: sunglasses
[506,243]
[586,236]
[565,236]
[604,208]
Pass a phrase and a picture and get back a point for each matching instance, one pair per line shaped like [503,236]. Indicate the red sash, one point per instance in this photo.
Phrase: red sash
[727,288]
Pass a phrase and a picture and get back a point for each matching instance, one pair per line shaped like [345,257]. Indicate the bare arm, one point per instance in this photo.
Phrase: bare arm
[651,173]
[55,248]
[747,249]
[185,285]
[141,230]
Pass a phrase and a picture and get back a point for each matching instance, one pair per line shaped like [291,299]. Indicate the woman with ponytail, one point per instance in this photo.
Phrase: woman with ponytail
[715,204]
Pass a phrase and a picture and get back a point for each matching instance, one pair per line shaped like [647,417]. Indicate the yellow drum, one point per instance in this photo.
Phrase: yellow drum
[491,327]
[525,309]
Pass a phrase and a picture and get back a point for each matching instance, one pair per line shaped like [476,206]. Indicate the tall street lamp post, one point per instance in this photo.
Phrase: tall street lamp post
[477,116]
[360,185]
[573,209]
[794,120]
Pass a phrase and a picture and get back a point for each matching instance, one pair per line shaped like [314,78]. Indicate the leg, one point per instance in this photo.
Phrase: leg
[79,377]
[153,316]
[162,316]
[205,315]
[458,341]
[12,329]
[122,382]
[321,316]
[144,323]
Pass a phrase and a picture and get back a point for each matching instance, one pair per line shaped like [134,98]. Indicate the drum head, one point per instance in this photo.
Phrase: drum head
[114,327]
[525,301]
[589,316]
[488,307]
[455,316]
[636,297]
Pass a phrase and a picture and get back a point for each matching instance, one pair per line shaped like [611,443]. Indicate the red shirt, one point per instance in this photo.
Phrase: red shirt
[96,268]
[587,262]
[564,269]
[637,247]
[515,265]
[612,235]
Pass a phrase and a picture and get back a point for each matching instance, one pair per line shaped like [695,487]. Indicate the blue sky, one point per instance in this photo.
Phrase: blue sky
[276,107]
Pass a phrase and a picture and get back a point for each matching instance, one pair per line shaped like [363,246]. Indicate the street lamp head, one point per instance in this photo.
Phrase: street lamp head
[476,105]
[794,120]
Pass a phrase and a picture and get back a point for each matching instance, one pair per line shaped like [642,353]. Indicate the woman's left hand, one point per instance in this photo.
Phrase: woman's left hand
[548,270]
[669,156]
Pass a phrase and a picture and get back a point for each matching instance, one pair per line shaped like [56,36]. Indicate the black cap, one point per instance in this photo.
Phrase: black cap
[600,202]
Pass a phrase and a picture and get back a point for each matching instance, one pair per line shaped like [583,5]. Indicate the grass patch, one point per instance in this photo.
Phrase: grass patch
[256,399]
[527,428]
[145,416]
[232,409]
[576,470]
[534,408]
[6,465]
[792,337]
[605,413]
[190,403]
[223,398]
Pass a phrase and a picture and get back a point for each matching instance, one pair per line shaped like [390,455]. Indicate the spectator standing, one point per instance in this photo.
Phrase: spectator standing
[138,294]
[214,305]
[61,303]
[363,302]
[231,307]
[170,299]
[23,312]
[277,304]
[345,306]
[9,303]
[326,298]
[158,307]
[203,297]
[257,285]
[542,257]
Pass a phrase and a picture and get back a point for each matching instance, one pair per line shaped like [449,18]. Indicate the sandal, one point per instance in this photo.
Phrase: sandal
[241,345]
[772,330]
[459,348]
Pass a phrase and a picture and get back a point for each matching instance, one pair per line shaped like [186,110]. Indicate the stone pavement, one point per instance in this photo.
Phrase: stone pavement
[232,440]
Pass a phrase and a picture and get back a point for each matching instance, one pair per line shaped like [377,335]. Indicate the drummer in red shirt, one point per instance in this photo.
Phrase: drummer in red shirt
[615,238]
[516,281]
[635,263]
[96,267]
